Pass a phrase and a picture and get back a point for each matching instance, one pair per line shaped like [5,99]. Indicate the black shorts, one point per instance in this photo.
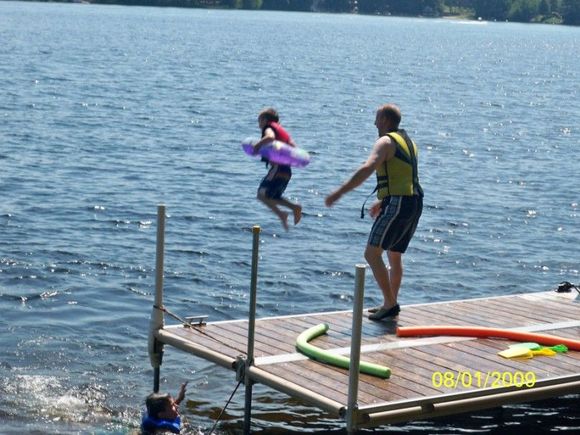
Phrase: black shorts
[275,182]
[396,223]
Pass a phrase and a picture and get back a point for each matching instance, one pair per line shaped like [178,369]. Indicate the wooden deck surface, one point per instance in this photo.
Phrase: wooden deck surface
[479,371]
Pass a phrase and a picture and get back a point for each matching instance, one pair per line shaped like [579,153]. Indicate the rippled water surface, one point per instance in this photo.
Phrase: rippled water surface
[107,111]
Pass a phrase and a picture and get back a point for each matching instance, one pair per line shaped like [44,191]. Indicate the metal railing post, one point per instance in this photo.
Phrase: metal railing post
[355,345]
[251,330]
[157,321]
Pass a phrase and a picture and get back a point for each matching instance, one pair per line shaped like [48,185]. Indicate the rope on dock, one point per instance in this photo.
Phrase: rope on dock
[197,327]
[224,408]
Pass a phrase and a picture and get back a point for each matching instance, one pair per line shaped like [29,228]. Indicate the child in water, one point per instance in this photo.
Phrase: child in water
[274,183]
[163,413]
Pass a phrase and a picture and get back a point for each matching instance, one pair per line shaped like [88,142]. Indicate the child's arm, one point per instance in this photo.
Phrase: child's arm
[269,136]
[181,394]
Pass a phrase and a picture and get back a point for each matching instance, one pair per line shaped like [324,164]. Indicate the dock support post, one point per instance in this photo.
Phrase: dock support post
[251,330]
[354,367]
[157,321]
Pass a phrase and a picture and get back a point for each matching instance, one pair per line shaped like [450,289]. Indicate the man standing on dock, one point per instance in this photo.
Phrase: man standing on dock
[399,205]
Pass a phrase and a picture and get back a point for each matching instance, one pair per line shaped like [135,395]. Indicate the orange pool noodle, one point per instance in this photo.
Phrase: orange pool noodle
[482,332]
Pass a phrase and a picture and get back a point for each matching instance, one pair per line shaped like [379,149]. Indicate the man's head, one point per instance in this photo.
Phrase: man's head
[388,118]
[161,406]
[268,115]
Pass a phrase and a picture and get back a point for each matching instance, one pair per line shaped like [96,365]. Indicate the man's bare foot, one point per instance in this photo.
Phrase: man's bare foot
[297,213]
[284,218]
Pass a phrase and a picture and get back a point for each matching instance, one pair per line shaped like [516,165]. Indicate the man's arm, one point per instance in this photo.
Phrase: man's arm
[383,150]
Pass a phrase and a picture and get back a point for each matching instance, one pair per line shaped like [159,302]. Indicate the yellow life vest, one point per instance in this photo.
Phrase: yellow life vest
[399,176]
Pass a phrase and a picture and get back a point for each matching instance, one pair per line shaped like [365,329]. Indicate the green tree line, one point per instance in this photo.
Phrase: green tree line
[557,11]
[546,11]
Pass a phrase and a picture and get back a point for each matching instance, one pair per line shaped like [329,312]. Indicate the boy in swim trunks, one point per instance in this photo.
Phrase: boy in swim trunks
[399,205]
[275,182]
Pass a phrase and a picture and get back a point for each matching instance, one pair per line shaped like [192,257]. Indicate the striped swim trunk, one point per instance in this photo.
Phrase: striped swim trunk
[396,223]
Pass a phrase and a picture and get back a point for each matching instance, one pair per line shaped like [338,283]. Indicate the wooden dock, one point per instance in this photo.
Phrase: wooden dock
[431,376]
[476,377]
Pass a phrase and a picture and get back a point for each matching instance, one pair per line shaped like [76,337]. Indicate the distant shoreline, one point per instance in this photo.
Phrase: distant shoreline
[442,12]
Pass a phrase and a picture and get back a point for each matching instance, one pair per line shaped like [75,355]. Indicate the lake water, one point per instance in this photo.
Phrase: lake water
[107,111]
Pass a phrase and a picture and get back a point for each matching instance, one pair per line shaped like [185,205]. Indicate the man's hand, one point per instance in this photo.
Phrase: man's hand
[332,198]
[375,209]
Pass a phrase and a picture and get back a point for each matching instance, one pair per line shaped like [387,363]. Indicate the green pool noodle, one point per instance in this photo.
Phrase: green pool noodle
[336,360]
